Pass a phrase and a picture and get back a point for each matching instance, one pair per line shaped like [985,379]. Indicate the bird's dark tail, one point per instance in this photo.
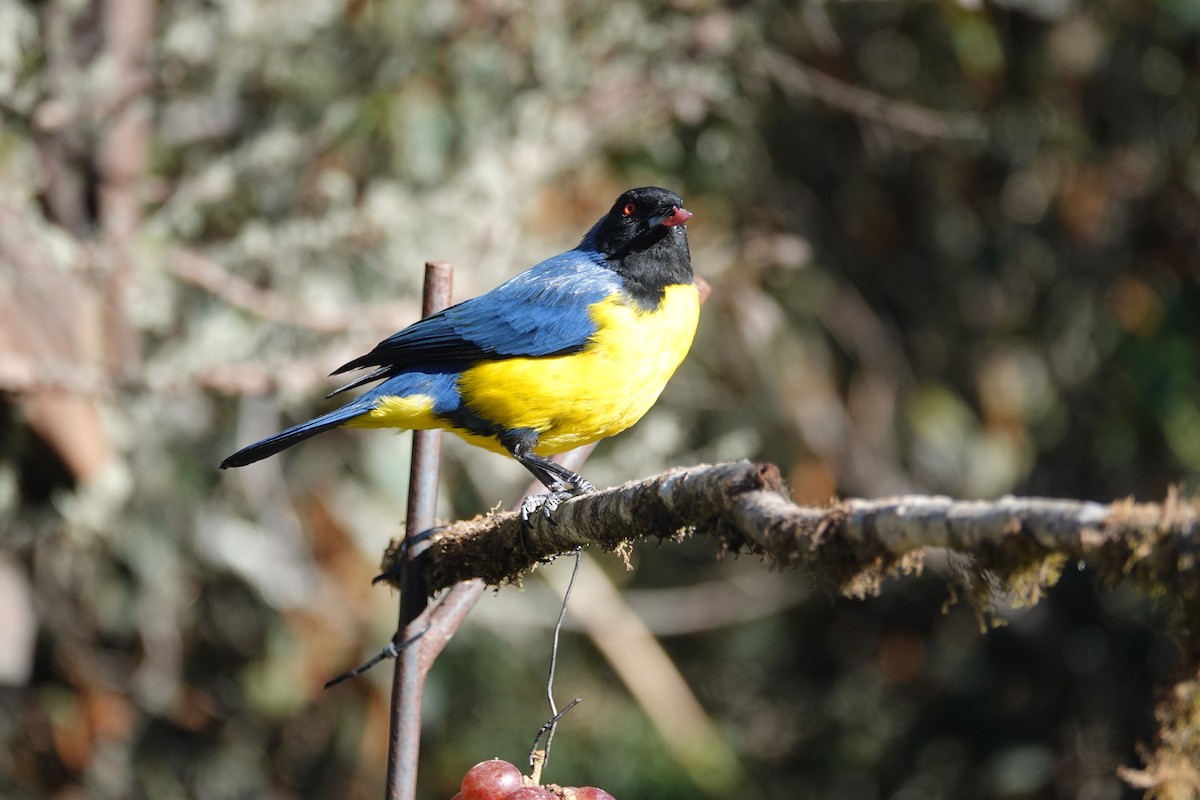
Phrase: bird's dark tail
[297,433]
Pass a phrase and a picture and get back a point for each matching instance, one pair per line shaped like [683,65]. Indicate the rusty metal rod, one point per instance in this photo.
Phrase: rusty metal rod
[408,681]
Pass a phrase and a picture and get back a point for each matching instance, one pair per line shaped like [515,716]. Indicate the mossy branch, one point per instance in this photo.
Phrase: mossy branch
[744,508]
[1013,546]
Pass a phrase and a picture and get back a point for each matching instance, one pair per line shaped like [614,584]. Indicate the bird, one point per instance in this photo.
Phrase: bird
[573,350]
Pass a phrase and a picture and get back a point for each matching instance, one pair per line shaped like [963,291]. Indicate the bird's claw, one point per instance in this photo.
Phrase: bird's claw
[546,503]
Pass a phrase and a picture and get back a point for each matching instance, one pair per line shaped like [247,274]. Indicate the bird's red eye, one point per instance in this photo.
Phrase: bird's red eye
[628,209]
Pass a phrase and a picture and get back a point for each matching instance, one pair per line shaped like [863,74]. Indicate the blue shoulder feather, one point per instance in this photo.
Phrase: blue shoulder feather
[541,312]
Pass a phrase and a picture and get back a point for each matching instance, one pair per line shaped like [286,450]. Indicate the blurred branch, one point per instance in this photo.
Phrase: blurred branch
[645,667]
[57,113]
[122,156]
[23,375]
[199,270]
[674,611]
[799,80]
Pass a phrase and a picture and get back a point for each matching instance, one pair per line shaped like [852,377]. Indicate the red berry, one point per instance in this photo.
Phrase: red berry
[588,793]
[531,793]
[490,780]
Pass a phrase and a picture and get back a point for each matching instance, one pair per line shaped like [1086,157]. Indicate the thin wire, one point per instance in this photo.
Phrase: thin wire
[392,649]
[547,726]
[555,715]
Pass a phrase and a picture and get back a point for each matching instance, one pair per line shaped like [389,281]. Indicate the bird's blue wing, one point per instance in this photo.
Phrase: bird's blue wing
[541,312]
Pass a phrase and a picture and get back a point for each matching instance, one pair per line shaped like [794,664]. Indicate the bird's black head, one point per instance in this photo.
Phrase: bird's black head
[638,220]
[644,238]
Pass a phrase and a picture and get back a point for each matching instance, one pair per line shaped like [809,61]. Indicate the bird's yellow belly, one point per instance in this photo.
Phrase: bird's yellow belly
[576,399]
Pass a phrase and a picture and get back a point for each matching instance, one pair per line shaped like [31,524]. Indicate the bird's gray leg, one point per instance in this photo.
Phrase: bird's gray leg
[561,482]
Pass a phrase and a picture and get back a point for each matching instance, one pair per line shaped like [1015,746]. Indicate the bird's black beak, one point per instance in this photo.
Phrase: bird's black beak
[669,219]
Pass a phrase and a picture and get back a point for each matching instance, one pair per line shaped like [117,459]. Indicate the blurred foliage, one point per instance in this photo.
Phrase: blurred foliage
[953,248]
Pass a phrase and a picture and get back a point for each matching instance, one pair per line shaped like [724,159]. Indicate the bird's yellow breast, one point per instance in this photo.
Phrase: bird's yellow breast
[575,399]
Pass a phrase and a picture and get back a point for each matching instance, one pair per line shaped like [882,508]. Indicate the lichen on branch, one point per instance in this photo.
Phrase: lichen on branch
[853,543]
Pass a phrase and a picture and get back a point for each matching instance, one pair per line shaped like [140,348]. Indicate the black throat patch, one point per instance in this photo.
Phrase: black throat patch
[657,259]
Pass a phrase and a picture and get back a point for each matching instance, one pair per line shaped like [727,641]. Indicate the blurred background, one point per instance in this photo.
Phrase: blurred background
[953,249]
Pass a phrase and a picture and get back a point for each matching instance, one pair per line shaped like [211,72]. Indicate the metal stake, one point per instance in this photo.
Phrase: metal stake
[408,682]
